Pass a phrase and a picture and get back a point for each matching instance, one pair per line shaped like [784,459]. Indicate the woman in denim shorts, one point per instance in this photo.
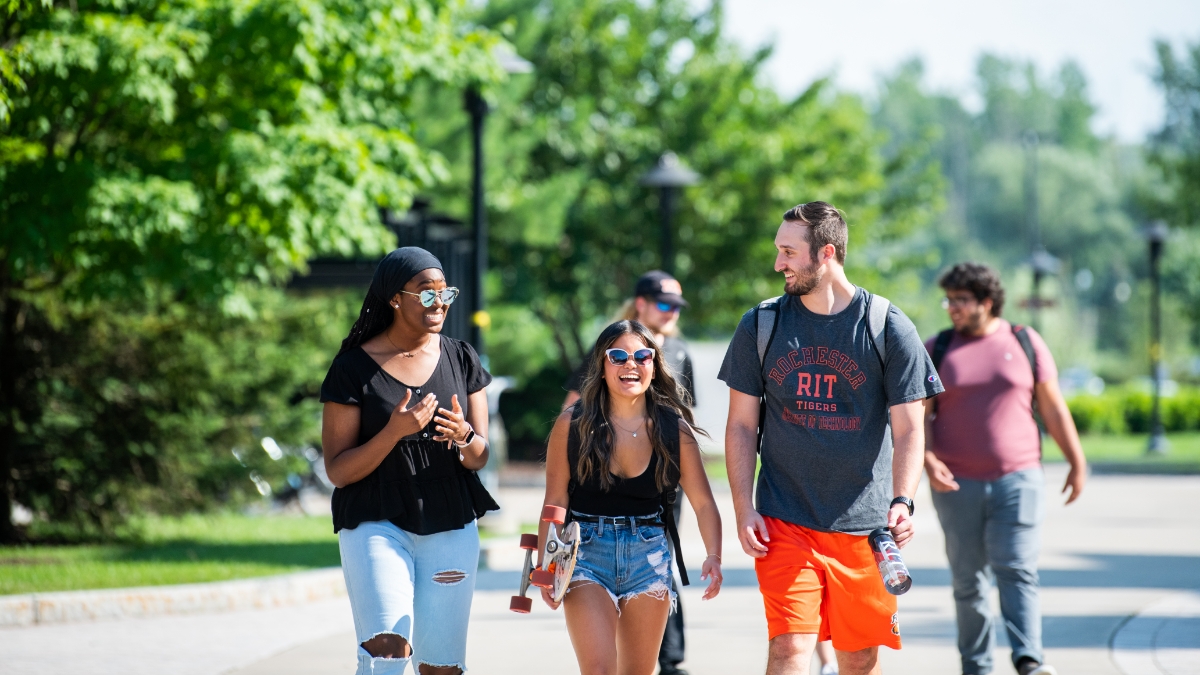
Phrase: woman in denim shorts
[614,460]
[403,457]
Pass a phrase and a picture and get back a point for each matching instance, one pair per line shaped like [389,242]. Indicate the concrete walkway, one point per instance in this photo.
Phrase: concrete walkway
[1121,595]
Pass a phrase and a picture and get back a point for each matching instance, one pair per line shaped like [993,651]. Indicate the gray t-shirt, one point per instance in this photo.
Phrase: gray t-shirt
[827,450]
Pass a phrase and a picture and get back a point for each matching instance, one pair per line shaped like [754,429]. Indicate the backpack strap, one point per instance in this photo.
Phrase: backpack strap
[767,319]
[1022,335]
[670,428]
[940,345]
[877,313]
[767,315]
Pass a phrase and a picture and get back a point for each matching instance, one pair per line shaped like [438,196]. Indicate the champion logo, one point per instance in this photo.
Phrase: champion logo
[933,378]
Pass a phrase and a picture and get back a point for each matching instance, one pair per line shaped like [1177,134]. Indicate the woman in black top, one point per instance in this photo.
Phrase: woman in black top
[614,459]
[407,494]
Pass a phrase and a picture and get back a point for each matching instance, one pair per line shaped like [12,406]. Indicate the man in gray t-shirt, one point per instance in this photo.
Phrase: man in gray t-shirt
[831,378]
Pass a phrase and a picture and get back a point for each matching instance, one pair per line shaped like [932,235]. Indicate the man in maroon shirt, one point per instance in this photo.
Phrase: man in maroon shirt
[983,458]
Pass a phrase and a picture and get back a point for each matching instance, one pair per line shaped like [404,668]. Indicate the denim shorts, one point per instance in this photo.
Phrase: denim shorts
[416,586]
[626,559]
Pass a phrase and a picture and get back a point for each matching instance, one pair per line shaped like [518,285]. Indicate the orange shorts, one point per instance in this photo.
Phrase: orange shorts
[825,583]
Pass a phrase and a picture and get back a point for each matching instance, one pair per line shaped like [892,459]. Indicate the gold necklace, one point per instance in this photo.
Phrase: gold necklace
[400,352]
[634,432]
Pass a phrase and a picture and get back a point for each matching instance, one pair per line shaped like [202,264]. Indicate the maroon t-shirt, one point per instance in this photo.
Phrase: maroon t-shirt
[984,427]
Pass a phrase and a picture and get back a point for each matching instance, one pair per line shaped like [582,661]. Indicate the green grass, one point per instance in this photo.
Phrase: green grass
[175,551]
[1124,448]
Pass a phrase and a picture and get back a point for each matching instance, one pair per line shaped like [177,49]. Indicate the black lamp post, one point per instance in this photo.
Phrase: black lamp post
[1156,234]
[477,107]
[1043,264]
[669,175]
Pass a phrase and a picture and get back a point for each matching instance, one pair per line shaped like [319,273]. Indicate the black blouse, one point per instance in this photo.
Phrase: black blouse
[421,486]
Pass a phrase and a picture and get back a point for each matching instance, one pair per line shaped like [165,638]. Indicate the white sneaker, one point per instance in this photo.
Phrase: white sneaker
[1041,669]
[831,669]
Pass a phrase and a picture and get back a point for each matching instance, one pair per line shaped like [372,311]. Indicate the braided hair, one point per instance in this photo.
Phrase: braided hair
[375,317]
[393,272]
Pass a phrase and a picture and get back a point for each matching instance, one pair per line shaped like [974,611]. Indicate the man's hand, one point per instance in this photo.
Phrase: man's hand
[1076,477]
[941,479]
[752,533]
[901,524]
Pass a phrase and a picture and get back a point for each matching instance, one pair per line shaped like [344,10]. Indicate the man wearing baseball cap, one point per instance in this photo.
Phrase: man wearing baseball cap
[657,299]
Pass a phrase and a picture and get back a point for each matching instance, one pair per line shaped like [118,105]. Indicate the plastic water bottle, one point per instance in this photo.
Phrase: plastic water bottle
[896,578]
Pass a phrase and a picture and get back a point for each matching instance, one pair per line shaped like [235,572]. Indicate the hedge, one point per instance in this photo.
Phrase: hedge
[1121,410]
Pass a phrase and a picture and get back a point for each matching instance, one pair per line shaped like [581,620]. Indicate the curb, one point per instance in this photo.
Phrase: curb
[126,603]
[1161,639]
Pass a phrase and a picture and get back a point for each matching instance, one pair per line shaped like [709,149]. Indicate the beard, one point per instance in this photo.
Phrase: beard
[806,281]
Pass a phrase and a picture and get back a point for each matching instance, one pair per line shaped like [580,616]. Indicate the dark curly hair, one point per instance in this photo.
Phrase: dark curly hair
[982,281]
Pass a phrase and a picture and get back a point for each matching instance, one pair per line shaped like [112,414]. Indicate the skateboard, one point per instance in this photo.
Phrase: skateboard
[558,559]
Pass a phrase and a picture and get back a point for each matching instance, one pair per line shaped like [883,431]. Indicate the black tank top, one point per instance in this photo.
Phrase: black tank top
[637,496]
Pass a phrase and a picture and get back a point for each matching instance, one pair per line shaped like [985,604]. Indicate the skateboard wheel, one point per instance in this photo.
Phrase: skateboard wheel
[520,604]
[529,542]
[542,578]
[554,514]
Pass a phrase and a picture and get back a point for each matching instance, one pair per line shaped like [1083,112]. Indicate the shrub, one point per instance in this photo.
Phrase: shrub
[1126,410]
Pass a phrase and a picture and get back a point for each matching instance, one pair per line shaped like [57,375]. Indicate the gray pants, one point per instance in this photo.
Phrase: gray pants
[993,530]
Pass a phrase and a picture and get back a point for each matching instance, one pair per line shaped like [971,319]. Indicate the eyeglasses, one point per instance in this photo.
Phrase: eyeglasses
[447,295]
[947,303]
[666,307]
[619,357]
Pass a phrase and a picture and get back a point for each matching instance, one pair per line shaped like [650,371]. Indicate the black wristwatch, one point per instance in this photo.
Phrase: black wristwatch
[905,501]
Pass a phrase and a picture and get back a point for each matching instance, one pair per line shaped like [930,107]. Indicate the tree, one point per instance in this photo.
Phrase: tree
[162,152]
[616,83]
[1175,149]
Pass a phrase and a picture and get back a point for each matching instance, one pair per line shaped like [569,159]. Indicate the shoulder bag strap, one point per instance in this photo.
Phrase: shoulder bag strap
[670,422]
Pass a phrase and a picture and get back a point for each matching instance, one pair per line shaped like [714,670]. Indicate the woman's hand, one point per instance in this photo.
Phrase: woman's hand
[408,421]
[711,570]
[548,598]
[451,425]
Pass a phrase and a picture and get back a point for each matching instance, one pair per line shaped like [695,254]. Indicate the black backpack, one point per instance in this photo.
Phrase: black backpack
[670,426]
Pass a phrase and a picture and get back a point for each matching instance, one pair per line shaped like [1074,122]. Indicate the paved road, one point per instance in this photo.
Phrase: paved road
[1120,569]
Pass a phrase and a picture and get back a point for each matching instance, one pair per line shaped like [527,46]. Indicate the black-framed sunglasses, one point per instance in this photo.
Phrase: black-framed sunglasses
[447,295]
[619,357]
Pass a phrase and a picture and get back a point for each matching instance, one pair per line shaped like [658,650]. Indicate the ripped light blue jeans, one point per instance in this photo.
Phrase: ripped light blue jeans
[416,586]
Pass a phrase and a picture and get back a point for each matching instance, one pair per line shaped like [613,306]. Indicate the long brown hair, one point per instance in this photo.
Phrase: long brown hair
[596,440]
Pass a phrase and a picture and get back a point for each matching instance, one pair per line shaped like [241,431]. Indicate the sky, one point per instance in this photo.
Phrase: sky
[859,40]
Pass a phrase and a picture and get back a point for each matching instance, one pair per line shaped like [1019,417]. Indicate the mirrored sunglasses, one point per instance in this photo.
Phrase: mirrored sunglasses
[666,307]
[619,357]
[428,297]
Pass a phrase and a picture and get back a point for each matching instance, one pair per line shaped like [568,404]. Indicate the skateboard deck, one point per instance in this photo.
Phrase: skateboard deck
[558,559]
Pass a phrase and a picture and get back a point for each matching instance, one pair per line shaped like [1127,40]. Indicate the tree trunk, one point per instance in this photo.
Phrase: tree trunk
[8,410]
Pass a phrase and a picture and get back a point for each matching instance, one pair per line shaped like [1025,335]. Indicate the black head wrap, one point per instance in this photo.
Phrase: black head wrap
[394,271]
[398,267]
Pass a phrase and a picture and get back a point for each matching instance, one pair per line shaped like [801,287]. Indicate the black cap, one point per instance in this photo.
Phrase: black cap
[662,287]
